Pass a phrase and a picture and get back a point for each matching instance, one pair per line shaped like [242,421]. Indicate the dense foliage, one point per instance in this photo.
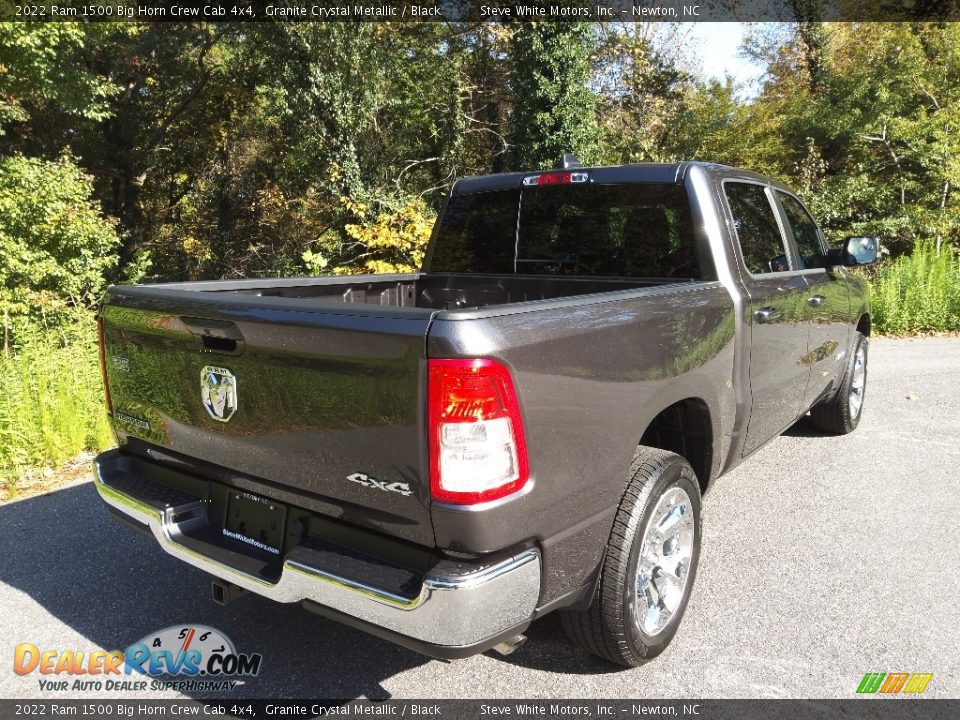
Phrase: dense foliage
[187,151]
[551,71]
[864,120]
[51,406]
[918,292]
[55,244]
[245,150]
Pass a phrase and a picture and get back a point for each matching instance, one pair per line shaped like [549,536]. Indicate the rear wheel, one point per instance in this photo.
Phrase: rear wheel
[649,566]
[841,413]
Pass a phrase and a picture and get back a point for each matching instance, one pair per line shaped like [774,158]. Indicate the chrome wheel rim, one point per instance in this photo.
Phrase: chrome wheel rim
[858,382]
[663,569]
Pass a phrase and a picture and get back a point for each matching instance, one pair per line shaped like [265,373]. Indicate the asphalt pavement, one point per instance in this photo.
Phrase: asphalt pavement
[823,558]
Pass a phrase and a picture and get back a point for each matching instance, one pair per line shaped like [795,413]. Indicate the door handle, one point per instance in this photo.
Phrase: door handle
[816,301]
[767,314]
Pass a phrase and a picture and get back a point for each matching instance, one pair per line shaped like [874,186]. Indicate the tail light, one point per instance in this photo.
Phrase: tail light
[103,366]
[477,448]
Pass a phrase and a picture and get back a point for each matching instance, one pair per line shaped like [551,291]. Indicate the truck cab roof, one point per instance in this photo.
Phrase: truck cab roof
[631,173]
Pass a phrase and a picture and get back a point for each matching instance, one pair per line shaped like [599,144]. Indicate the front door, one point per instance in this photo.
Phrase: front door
[827,303]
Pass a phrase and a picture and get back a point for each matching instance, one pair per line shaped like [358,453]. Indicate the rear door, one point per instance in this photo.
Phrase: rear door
[827,302]
[325,404]
[777,312]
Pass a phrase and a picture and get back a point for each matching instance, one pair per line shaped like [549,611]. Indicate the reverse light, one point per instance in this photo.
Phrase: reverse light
[477,448]
[103,366]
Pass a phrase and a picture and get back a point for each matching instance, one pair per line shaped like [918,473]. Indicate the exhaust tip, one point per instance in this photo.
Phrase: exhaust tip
[511,645]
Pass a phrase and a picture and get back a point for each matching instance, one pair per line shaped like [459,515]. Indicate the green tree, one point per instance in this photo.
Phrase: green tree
[43,63]
[644,95]
[554,107]
[862,119]
[712,124]
[55,246]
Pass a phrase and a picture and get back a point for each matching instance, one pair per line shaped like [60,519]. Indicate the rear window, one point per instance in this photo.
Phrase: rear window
[635,230]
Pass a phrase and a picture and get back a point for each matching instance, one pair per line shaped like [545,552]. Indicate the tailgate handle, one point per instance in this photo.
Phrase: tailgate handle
[219,344]
[215,336]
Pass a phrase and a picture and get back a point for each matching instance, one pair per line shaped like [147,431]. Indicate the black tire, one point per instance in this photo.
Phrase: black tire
[834,415]
[609,628]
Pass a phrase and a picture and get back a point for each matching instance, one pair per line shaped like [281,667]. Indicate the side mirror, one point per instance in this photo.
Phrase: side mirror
[861,250]
[779,264]
[855,251]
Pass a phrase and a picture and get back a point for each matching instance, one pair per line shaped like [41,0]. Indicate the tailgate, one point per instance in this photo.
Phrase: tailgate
[322,403]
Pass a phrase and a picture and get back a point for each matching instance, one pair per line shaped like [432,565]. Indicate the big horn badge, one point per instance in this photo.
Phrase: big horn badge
[218,391]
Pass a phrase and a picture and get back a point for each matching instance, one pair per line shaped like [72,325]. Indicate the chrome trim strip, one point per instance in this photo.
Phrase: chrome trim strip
[454,611]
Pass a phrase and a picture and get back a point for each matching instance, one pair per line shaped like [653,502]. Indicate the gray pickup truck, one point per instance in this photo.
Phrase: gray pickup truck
[440,458]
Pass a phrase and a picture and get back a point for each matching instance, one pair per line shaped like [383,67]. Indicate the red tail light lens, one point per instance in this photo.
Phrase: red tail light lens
[562,178]
[103,366]
[477,448]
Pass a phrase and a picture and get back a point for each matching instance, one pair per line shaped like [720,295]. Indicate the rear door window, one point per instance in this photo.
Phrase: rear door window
[761,242]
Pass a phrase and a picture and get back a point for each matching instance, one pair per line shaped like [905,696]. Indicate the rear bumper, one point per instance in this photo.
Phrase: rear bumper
[461,608]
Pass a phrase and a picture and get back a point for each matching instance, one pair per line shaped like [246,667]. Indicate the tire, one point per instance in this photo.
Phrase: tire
[841,414]
[613,627]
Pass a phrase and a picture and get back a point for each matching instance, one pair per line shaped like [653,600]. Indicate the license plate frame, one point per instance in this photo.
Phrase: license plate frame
[257,521]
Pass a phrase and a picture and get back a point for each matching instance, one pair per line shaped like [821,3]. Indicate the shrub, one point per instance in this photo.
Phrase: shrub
[390,236]
[54,243]
[918,293]
[51,407]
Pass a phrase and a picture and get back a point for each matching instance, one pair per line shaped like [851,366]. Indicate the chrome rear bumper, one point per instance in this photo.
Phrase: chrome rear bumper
[458,605]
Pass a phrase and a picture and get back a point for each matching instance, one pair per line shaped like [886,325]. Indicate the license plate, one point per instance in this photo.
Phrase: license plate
[257,521]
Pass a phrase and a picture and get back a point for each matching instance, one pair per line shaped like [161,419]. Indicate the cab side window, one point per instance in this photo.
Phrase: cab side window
[761,242]
[804,232]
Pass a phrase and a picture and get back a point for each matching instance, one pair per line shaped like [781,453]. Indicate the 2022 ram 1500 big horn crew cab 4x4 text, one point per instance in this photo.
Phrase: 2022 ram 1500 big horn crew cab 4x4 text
[441,457]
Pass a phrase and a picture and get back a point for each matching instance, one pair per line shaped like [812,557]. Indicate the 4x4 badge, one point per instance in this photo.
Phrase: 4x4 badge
[367,481]
[218,391]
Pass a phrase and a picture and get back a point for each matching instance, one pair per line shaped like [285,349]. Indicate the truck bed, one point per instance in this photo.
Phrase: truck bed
[434,291]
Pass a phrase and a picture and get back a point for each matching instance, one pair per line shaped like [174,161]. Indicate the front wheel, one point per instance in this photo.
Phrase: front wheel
[841,413]
[649,566]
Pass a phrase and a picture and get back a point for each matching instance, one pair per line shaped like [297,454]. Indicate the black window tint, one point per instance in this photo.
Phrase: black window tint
[804,231]
[760,241]
[630,230]
[477,233]
[626,230]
